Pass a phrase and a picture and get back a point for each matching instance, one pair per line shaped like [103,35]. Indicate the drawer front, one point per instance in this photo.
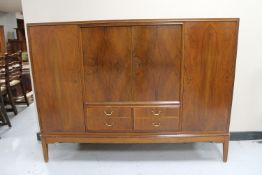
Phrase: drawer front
[109,119]
[156,119]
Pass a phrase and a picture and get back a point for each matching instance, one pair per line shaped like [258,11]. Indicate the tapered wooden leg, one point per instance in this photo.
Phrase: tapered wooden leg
[225,150]
[45,149]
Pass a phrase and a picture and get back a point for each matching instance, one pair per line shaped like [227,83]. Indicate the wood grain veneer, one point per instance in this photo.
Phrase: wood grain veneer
[107,63]
[208,86]
[157,54]
[2,41]
[57,73]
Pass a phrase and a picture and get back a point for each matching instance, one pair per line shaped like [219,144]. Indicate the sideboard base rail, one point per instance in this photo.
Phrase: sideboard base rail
[184,138]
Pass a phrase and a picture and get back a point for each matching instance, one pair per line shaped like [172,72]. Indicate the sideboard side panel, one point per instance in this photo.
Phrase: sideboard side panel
[57,72]
[209,68]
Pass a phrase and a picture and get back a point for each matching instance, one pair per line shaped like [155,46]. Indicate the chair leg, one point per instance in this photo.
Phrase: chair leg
[11,100]
[5,119]
[24,93]
[3,111]
[2,119]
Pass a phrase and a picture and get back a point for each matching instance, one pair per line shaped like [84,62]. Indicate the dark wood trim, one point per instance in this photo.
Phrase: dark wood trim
[128,22]
[251,135]
[136,103]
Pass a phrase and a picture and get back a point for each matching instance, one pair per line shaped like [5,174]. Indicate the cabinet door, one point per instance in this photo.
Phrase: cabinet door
[157,54]
[210,51]
[57,72]
[107,63]
[2,41]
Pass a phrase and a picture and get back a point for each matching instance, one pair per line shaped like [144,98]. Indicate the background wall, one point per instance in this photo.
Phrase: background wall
[247,102]
[8,20]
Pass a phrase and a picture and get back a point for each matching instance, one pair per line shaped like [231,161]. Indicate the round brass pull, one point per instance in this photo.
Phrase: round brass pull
[108,114]
[156,124]
[156,114]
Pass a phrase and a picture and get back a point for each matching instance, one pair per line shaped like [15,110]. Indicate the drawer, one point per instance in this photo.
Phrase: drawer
[156,119]
[109,119]
[142,112]
[160,124]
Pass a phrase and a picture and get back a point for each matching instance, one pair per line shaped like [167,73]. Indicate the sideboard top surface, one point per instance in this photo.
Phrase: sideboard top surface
[129,22]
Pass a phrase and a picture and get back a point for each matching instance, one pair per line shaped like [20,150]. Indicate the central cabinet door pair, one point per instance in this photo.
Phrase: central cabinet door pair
[130,73]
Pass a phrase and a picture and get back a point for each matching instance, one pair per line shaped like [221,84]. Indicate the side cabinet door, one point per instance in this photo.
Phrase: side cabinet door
[209,67]
[57,73]
[2,41]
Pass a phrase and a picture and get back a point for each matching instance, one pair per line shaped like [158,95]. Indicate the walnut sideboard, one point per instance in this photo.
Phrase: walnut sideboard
[134,81]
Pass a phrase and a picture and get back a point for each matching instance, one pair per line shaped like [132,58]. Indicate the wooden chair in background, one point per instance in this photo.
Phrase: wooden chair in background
[4,120]
[13,77]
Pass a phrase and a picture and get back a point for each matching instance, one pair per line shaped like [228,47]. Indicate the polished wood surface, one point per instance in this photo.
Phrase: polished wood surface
[141,112]
[109,124]
[45,148]
[134,81]
[2,41]
[210,49]
[157,54]
[134,22]
[57,74]
[156,119]
[156,124]
[107,63]
[141,138]
[109,119]
[225,149]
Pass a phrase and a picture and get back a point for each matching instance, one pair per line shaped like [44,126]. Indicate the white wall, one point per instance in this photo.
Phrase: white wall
[8,20]
[247,103]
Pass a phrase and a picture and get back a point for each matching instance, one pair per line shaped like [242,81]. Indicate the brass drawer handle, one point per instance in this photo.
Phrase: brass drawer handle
[156,124]
[156,114]
[109,125]
[108,121]
[108,114]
